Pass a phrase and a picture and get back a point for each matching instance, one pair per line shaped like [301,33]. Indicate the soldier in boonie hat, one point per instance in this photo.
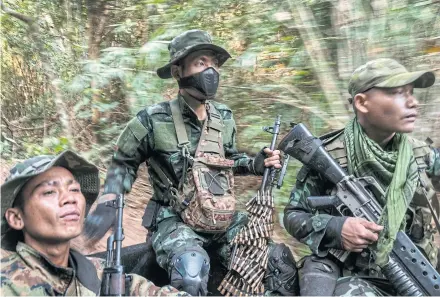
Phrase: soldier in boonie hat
[85,173]
[194,63]
[44,202]
[166,136]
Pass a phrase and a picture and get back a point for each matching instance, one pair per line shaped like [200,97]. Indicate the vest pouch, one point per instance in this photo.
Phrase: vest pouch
[208,195]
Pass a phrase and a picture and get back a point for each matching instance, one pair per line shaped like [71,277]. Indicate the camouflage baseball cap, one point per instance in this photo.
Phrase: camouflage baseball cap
[387,73]
[84,172]
[188,42]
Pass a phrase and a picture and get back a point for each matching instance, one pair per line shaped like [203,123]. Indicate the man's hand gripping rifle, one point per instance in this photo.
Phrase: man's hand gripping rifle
[407,269]
[114,280]
[250,252]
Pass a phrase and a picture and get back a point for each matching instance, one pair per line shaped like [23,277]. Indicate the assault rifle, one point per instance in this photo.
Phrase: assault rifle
[114,280]
[407,269]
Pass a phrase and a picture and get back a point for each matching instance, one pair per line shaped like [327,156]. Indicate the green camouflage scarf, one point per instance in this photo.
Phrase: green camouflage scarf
[395,170]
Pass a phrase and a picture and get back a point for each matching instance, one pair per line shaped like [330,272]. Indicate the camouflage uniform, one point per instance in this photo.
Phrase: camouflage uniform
[151,137]
[26,272]
[321,231]
[151,134]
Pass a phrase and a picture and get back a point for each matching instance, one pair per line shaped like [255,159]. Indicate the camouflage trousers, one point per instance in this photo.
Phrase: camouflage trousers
[326,272]
[359,286]
[173,235]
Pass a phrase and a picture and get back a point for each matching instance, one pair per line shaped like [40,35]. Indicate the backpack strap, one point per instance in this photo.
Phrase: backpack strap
[421,149]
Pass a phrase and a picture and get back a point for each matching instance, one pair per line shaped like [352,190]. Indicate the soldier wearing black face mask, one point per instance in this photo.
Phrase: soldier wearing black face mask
[155,136]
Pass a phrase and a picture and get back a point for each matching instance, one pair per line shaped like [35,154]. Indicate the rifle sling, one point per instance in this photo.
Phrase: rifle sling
[434,215]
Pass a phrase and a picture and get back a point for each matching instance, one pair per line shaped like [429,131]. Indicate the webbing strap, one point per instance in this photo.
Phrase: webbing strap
[211,138]
[179,125]
[163,177]
[427,193]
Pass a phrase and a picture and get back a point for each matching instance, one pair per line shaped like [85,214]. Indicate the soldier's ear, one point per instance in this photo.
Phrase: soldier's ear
[360,103]
[14,217]
[176,72]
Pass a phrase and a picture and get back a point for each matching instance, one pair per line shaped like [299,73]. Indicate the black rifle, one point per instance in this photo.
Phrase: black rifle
[114,280]
[267,181]
[407,269]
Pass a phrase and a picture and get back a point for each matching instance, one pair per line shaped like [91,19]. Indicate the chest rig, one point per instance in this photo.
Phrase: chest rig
[204,198]
[423,207]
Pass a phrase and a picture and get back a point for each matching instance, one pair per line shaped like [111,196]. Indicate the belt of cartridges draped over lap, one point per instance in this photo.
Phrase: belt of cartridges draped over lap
[250,249]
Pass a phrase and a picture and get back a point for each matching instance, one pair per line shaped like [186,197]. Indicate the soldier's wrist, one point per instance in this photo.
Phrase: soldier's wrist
[332,237]
[258,162]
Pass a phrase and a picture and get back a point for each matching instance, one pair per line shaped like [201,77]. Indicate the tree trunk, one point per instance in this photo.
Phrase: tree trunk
[97,13]
[306,25]
[34,31]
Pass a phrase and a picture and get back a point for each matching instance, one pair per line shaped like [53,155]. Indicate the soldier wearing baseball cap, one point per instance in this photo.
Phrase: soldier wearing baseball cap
[375,143]
[44,202]
[387,73]
[166,137]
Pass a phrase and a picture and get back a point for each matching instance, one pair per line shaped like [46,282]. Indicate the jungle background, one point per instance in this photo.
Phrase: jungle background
[73,72]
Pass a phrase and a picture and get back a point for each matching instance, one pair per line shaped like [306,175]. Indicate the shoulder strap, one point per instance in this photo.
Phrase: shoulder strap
[179,125]
[182,139]
[211,140]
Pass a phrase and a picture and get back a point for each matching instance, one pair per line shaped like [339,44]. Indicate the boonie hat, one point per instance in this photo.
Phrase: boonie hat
[188,42]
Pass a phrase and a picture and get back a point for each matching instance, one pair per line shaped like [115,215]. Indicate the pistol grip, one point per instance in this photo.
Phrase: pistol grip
[322,202]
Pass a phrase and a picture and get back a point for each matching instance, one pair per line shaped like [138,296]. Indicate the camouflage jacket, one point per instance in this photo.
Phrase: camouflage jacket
[28,273]
[322,231]
[151,135]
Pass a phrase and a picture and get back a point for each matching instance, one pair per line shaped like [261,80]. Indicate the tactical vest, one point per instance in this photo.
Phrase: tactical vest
[419,216]
[204,198]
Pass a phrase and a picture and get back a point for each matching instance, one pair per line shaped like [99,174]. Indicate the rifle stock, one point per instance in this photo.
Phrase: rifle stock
[407,269]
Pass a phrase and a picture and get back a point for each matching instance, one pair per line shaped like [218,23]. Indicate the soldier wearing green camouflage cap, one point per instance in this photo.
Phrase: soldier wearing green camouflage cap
[44,202]
[375,143]
[154,136]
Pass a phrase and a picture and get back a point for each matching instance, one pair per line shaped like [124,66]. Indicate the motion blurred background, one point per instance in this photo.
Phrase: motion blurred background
[73,72]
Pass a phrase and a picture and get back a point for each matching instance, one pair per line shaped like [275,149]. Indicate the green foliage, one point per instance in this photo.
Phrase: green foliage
[50,145]
[65,86]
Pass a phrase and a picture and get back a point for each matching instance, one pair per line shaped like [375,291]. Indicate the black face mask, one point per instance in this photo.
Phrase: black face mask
[206,82]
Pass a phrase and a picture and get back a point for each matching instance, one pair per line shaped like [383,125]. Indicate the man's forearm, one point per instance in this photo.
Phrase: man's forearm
[320,232]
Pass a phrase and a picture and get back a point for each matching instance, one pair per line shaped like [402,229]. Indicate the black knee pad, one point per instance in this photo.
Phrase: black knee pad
[318,276]
[281,275]
[189,271]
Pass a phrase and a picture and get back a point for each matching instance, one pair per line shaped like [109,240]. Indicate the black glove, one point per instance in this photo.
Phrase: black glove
[258,164]
[100,221]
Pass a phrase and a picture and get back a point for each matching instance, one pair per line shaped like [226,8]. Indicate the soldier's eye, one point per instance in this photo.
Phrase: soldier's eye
[49,192]
[75,190]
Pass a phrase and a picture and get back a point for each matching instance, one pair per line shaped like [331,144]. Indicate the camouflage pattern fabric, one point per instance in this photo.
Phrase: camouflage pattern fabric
[85,173]
[187,42]
[28,273]
[386,73]
[151,134]
[173,236]
[355,286]
[321,231]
